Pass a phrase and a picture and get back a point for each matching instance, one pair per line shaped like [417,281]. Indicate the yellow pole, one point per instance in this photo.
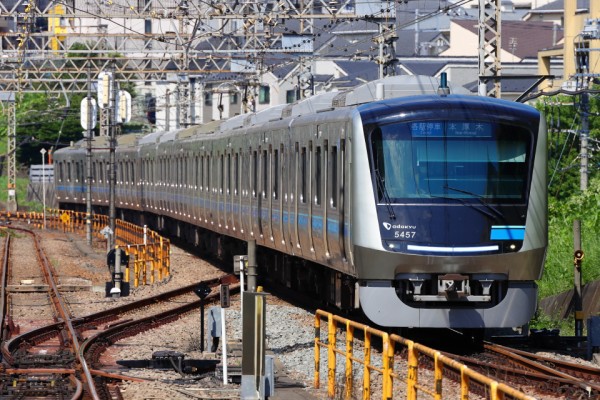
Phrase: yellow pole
[464,383]
[367,370]
[317,350]
[349,345]
[330,355]
[411,381]
[438,376]
[388,366]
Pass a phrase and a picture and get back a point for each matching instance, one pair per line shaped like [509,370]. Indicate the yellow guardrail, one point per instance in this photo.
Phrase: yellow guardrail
[150,251]
[384,366]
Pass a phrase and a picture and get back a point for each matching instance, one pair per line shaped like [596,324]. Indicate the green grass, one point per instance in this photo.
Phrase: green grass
[22,204]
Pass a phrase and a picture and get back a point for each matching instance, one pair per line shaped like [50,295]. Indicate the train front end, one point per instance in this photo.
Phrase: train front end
[449,211]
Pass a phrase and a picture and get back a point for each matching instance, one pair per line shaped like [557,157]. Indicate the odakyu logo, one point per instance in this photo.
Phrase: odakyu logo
[389,226]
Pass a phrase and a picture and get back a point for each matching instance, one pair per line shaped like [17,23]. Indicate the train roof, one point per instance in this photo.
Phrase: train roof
[381,89]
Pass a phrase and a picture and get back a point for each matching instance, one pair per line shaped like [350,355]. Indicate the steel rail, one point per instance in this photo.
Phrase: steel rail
[94,345]
[3,293]
[526,371]
[60,308]
[113,314]
[569,368]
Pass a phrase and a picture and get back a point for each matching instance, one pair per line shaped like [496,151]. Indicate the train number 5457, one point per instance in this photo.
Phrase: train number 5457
[404,234]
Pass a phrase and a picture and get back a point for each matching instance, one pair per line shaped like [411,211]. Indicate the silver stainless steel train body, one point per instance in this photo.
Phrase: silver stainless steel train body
[433,204]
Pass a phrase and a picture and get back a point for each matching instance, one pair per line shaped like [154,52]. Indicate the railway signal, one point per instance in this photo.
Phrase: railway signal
[202,291]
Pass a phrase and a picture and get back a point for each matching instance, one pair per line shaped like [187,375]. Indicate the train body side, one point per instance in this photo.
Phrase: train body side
[305,185]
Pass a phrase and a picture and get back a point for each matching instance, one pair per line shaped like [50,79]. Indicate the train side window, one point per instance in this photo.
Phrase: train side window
[201,173]
[186,172]
[254,173]
[303,169]
[333,168]
[318,175]
[122,172]
[208,177]
[265,173]
[195,171]
[69,173]
[275,174]
[245,171]
[229,174]
[235,175]
[221,174]
[152,171]
[180,171]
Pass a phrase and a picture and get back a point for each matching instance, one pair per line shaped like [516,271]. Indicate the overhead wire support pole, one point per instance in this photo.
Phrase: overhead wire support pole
[11,150]
[490,46]
[88,165]
[112,109]
[582,62]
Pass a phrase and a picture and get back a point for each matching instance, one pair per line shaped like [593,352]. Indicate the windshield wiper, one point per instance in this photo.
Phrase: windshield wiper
[479,198]
[383,190]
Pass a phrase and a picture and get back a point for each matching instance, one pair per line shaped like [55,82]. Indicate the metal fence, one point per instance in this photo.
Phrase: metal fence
[149,252]
[401,361]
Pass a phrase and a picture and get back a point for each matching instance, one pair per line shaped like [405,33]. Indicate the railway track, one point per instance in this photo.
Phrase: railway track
[534,374]
[53,368]
[52,359]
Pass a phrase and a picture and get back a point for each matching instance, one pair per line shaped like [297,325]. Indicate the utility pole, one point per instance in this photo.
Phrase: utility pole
[583,75]
[583,141]
[490,46]
[112,161]
[11,151]
[88,157]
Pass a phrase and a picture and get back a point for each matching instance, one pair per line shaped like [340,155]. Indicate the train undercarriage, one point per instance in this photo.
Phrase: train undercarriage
[328,287]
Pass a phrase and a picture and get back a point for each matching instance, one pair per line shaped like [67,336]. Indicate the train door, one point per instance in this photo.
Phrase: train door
[218,201]
[142,186]
[131,188]
[235,192]
[211,173]
[334,209]
[278,170]
[203,192]
[170,192]
[177,200]
[177,175]
[345,205]
[227,189]
[288,188]
[294,201]
[257,197]
[247,191]
[303,203]
[265,198]
[318,199]
[187,187]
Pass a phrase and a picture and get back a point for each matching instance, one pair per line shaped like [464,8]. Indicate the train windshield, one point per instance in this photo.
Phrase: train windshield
[450,159]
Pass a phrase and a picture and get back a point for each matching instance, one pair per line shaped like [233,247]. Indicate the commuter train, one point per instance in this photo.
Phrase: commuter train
[422,207]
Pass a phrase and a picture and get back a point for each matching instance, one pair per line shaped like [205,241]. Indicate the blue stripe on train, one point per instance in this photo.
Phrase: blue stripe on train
[507,232]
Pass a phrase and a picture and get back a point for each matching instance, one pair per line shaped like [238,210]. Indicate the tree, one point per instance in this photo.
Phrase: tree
[43,122]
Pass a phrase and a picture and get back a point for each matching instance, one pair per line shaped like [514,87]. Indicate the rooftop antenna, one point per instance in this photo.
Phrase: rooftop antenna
[443,89]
